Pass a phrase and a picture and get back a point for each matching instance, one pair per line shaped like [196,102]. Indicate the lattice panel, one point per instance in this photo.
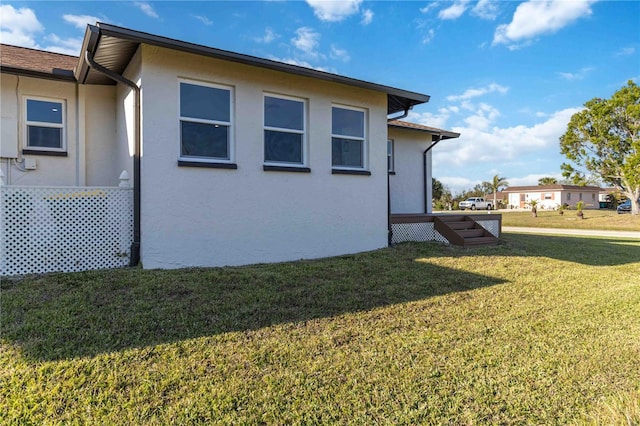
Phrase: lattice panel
[65,229]
[492,226]
[402,232]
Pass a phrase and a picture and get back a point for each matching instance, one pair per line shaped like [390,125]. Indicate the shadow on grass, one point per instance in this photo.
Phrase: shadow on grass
[85,314]
[75,315]
[597,251]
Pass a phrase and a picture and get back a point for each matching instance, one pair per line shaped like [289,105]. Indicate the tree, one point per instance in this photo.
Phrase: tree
[496,184]
[548,180]
[437,189]
[604,139]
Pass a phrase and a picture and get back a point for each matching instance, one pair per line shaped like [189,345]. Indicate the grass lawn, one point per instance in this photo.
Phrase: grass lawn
[538,330]
[593,219]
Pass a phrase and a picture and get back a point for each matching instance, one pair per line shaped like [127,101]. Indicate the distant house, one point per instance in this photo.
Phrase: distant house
[553,196]
[234,159]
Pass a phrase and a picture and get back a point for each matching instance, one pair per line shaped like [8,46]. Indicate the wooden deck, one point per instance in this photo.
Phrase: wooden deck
[464,230]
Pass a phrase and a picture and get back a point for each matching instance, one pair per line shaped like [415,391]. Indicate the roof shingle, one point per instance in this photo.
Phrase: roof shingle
[23,60]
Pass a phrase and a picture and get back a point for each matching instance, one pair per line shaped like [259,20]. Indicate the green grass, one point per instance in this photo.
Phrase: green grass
[593,219]
[539,330]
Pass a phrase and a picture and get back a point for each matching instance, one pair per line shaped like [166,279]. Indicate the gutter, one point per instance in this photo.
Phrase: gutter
[135,245]
[403,115]
[424,169]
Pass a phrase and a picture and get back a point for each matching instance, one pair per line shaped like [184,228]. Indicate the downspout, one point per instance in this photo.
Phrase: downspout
[389,230]
[134,259]
[424,170]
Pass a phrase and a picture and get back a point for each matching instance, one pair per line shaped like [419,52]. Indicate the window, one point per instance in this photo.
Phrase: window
[548,196]
[581,196]
[205,122]
[45,125]
[593,196]
[390,156]
[284,130]
[568,196]
[348,139]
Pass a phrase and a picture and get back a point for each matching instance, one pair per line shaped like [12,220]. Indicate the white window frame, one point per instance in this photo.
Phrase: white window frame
[391,156]
[302,132]
[28,123]
[364,138]
[230,124]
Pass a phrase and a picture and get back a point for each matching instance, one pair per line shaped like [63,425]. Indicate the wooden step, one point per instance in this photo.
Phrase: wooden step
[480,241]
[456,218]
[465,224]
[471,233]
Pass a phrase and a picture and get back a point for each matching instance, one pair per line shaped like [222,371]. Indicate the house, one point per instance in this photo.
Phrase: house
[235,159]
[551,197]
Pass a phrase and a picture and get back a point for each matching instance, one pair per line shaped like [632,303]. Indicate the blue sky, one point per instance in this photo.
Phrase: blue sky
[507,75]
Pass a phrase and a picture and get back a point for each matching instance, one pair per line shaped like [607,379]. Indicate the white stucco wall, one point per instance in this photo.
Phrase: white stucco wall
[101,144]
[90,134]
[50,170]
[211,217]
[407,186]
[558,198]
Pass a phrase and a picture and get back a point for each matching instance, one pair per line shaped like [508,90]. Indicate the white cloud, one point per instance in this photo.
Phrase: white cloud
[532,179]
[537,17]
[473,93]
[485,9]
[307,40]
[427,38]
[438,120]
[454,11]
[430,6]
[575,75]
[146,8]
[203,19]
[268,37]
[334,11]
[81,21]
[68,46]
[479,142]
[339,54]
[626,51]
[367,17]
[484,115]
[19,26]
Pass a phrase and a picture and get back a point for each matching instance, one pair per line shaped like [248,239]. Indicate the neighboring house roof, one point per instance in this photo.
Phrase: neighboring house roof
[421,128]
[113,47]
[557,187]
[36,63]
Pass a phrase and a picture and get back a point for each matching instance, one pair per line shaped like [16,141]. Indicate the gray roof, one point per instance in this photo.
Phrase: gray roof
[113,47]
[446,134]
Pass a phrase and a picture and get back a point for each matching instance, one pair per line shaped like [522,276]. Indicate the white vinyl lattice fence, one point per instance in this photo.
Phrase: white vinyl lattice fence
[419,232]
[65,229]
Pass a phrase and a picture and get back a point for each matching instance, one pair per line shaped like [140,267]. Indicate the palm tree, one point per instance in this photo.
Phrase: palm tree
[496,184]
[544,181]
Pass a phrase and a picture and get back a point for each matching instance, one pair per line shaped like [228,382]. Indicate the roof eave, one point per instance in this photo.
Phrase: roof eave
[397,99]
[61,75]
[440,132]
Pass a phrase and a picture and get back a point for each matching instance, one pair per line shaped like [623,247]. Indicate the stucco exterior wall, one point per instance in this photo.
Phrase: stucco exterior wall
[212,217]
[89,132]
[407,186]
[50,170]
[558,198]
[125,118]
[102,167]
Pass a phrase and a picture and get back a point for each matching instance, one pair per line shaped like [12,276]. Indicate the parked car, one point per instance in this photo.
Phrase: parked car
[624,207]
[475,203]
